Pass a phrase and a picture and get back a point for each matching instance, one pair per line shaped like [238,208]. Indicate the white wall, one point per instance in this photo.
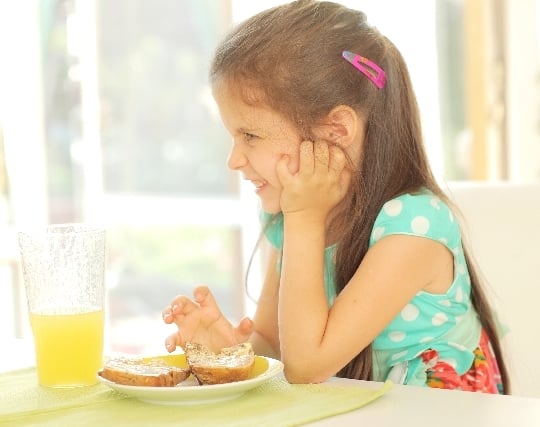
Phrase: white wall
[502,222]
[523,88]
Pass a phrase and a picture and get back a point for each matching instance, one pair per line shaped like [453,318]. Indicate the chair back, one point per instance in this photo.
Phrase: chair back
[501,222]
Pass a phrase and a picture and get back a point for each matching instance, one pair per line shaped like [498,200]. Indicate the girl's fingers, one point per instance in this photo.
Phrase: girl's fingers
[322,157]
[339,169]
[172,341]
[169,312]
[338,161]
[204,297]
[282,170]
[245,328]
[345,180]
[167,315]
[184,305]
[307,157]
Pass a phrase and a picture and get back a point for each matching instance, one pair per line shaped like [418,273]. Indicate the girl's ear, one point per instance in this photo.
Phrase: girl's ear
[341,126]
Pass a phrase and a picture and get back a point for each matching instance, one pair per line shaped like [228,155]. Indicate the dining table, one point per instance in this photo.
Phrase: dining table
[336,402]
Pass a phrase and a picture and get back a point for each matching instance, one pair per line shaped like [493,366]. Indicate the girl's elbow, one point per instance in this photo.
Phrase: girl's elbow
[302,376]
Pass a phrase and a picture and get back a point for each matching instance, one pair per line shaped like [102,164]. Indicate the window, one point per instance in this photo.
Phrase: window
[131,138]
[106,115]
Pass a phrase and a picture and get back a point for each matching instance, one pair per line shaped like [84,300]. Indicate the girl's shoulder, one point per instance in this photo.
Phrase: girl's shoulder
[420,214]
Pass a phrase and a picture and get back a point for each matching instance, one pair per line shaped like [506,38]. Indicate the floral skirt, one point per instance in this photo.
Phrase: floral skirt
[483,375]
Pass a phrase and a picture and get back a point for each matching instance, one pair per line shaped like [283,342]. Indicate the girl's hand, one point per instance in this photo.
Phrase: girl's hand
[200,320]
[319,185]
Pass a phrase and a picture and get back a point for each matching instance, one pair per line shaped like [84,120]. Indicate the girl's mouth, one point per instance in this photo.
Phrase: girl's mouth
[259,185]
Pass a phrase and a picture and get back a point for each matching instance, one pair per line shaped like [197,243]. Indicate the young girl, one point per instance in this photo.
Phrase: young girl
[367,275]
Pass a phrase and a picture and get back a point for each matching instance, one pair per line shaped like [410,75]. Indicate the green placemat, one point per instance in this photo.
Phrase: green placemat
[275,403]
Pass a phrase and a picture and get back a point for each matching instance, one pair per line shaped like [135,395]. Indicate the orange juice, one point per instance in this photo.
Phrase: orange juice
[69,348]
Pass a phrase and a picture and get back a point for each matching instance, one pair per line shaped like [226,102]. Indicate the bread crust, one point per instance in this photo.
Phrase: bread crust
[138,372]
[231,364]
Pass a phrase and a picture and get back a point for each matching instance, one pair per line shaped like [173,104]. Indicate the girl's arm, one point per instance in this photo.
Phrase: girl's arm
[265,337]
[315,341]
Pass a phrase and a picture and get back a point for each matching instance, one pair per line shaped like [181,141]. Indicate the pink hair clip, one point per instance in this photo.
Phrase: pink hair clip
[371,70]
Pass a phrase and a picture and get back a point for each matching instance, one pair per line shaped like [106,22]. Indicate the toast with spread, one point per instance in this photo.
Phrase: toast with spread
[231,364]
[154,373]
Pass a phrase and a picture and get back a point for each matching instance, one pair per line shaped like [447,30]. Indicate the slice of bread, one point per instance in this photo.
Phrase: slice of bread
[231,364]
[138,372]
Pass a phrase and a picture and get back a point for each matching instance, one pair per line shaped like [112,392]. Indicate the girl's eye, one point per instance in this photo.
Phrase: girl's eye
[249,137]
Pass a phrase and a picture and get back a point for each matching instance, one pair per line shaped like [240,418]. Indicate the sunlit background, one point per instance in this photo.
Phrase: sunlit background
[106,116]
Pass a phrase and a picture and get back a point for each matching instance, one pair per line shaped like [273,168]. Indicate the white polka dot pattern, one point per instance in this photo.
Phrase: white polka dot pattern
[393,207]
[420,225]
[377,233]
[410,313]
[439,319]
[397,336]
[428,320]
[457,346]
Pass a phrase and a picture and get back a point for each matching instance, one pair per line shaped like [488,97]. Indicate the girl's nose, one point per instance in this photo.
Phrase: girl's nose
[237,159]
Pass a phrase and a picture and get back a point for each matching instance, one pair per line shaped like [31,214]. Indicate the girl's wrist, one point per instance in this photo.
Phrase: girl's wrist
[304,220]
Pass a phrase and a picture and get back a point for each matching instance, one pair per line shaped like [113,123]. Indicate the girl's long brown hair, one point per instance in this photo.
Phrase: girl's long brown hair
[289,58]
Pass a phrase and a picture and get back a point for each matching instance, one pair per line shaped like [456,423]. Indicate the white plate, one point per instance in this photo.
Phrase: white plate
[190,393]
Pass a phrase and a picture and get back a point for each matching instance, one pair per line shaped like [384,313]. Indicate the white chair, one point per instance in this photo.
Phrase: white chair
[502,225]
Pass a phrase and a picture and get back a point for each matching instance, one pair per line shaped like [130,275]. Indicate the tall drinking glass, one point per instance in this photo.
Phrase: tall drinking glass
[63,268]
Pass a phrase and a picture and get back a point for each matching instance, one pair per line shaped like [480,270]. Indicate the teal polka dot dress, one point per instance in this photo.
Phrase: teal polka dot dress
[443,322]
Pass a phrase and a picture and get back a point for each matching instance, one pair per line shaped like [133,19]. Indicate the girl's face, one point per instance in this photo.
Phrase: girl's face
[260,137]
